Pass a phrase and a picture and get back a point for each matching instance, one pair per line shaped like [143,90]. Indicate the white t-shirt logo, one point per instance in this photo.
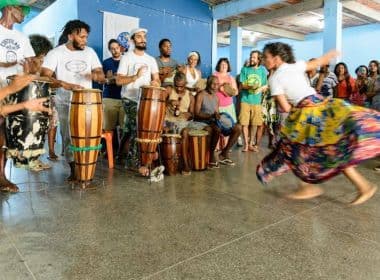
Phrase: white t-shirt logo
[11,47]
[10,56]
[76,66]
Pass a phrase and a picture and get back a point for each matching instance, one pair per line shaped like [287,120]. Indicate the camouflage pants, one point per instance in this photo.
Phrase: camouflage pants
[130,131]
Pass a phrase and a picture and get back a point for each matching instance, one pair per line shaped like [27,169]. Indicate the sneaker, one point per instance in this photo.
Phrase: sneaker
[34,166]
[38,165]
[155,179]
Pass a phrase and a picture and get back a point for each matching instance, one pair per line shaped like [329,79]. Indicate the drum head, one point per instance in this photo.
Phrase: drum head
[38,79]
[153,87]
[171,135]
[197,132]
[87,90]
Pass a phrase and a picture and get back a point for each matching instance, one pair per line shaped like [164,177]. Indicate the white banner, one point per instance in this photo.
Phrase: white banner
[116,26]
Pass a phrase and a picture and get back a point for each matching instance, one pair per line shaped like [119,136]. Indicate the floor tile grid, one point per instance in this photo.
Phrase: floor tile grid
[22,258]
[230,242]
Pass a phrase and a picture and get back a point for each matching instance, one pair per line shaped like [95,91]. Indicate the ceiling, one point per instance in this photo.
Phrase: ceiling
[41,4]
[292,19]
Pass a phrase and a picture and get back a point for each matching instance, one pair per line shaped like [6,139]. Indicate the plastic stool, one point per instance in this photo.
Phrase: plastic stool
[108,135]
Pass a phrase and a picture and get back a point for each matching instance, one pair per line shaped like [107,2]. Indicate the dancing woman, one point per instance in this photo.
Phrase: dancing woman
[321,137]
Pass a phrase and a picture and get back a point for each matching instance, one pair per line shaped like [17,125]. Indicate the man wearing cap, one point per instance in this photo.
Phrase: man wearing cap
[14,48]
[136,69]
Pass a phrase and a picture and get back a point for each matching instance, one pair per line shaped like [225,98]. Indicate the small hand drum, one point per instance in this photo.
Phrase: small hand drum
[226,123]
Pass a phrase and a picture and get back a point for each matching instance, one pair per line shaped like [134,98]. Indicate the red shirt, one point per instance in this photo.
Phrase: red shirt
[342,88]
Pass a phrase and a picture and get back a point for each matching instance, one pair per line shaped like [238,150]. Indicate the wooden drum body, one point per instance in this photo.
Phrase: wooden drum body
[171,153]
[86,115]
[198,149]
[150,121]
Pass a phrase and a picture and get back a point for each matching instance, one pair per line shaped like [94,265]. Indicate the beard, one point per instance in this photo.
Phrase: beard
[77,47]
[166,55]
[141,47]
[254,64]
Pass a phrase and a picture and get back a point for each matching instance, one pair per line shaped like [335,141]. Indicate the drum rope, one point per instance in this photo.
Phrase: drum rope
[85,149]
[144,140]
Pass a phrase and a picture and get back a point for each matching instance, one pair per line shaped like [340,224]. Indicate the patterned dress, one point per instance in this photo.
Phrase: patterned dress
[321,137]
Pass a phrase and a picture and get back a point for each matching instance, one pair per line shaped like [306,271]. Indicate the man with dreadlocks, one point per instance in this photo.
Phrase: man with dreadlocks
[75,65]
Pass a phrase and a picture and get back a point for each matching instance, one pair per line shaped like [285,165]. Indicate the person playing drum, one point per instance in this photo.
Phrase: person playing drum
[136,69]
[75,65]
[16,50]
[166,65]
[207,111]
[180,112]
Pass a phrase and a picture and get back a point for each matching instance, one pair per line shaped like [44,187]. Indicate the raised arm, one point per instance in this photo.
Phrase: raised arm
[323,60]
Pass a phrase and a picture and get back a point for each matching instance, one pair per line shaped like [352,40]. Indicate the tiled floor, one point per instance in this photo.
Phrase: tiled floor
[219,224]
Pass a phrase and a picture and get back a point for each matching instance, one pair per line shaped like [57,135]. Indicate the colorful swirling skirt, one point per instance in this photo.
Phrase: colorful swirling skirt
[321,137]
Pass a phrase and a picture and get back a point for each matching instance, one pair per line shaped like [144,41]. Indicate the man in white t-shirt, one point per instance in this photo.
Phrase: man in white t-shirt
[14,48]
[75,66]
[136,69]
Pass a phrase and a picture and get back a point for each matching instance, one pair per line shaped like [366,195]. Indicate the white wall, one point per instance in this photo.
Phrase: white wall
[51,20]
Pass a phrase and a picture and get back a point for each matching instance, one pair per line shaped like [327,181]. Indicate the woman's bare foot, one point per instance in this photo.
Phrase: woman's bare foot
[306,191]
[363,197]
[7,186]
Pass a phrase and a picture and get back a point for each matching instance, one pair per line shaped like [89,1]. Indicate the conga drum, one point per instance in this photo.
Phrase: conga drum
[150,121]
[86,116]
[171,153]
[198,149]
[26,130]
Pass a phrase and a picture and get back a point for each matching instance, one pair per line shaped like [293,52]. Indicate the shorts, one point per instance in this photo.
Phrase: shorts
[114,114]
[251,114]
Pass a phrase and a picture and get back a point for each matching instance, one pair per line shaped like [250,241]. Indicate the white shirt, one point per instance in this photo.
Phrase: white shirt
[190,80]
[71,67]
[14,47]
[292,81]
[130,63]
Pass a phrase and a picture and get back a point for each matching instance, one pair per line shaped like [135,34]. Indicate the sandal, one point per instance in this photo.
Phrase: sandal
[186,173]
[213,165]
[254,148]
[227,161]
[52,157]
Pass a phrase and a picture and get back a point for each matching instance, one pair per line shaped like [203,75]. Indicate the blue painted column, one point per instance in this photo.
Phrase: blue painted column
[236,42]
[332,33]
[214,49]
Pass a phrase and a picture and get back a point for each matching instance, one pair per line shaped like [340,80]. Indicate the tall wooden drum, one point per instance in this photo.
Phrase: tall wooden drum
[198,149]
[86,115]
[150,121]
